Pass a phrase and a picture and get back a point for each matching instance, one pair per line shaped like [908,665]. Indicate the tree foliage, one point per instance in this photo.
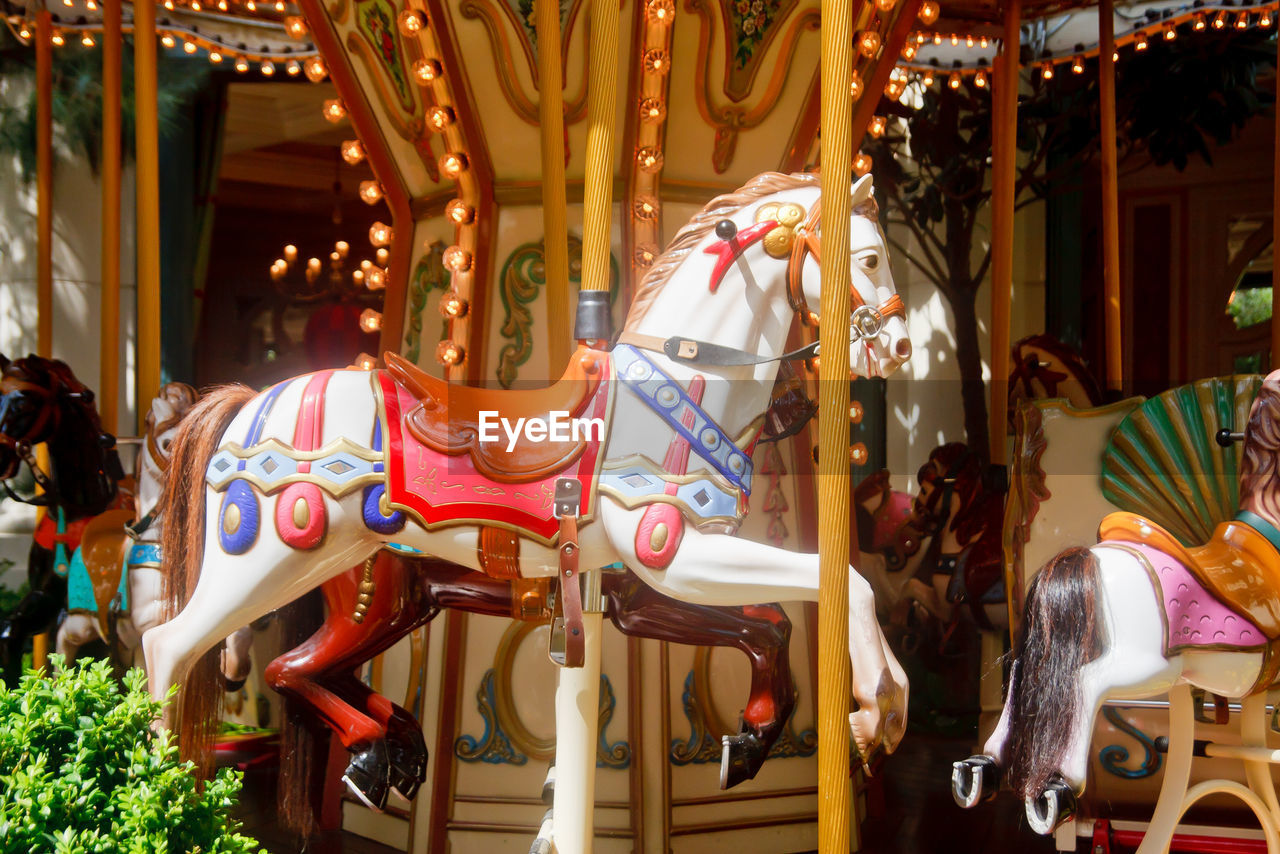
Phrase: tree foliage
[82,772]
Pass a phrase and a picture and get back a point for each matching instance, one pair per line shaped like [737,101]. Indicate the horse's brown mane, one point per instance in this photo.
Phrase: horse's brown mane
[764,184]
[1260,469]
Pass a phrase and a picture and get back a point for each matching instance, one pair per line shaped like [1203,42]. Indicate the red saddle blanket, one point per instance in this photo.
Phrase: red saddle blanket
[442,489]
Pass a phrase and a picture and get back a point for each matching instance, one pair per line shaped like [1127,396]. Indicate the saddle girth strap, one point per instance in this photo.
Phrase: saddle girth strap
[571,593]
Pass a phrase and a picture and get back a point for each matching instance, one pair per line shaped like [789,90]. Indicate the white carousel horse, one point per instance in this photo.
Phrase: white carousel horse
[301,482]
[127,546]
[1135,616]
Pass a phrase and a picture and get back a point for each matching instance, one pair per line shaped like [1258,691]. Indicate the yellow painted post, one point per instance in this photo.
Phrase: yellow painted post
[1004,164]
[148,201]
[109,352]
[1110,194]
[554,225]
[601,121]
[834,791]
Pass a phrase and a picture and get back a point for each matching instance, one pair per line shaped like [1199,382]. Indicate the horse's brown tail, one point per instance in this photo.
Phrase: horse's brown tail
[1061,632]
[182,504]
[304,744]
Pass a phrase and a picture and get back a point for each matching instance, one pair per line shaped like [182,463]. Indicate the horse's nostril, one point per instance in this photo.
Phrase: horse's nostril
[903,348]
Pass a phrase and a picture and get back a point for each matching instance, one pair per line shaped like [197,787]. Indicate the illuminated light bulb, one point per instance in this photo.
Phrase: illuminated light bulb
[448,353]
[1171,32]
[334,110]
[886,5]
[168,4]
[366,265]
[370,320]
[295,26]
[893,90]
[242,64]
[314,264]
[453,306]
[343,248]
[189,47]
[1140,43]
[215,57]
[968,41]
[453,164]
[459,212]
[1046,71]
[86,40]
[279,5]
[382,256]
[439,118]
[195,5]
[855,85]
[645,256]
[937,38]
[929,11]
[380,234]
[927,80]
[1115,56]
[426,70]
[861,164]
[858,454]
[365,362]
[291,253]
[646,208]
[411,22]
[1218,22]
[868,43]
[660,11]
[456,259]
[251,6]
[91,5]
[292,68]
[1077,64]
[980,79]
[921,38]
[649,159]
[58,40]
[357,276]
[375,278]
[652,111]
[1242,21]
[1264,20]
[334,256]
[167,40]
[352,151]
[267,68]
[1198,22]
[656,61]
[984,42]
[315,69]
[953,80]
[24,33]
[877,126]
[222,5]
[955,40]
[909,52]
[370,192]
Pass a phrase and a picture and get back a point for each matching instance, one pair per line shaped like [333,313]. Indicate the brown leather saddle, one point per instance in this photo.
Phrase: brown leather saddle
[1238,564]
[447,418]
[103,549]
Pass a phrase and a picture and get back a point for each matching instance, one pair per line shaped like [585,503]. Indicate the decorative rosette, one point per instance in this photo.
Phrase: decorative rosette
[790,219]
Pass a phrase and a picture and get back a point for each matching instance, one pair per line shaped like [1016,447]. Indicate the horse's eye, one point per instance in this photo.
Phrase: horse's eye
[871,261]
[164,444]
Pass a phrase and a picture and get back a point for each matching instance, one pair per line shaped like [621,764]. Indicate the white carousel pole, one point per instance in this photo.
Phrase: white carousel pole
[578,692]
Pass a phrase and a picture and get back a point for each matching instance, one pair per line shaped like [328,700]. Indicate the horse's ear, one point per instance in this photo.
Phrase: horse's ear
[162,410]
[862,189]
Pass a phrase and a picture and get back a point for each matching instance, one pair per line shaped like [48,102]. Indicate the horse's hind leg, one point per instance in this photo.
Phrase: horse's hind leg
[35,613]
[762,632]
[76,631]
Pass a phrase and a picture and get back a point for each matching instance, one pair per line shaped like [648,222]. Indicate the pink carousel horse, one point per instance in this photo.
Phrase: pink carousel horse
[272,494]
[1137,615]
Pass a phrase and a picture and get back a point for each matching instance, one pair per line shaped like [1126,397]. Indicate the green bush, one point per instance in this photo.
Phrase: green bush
[82,771]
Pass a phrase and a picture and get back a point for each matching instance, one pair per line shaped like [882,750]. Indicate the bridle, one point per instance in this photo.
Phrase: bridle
[866,321]
[23,445]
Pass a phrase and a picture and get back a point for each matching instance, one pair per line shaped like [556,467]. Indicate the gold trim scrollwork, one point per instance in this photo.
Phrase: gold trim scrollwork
[491,15]
[728,119]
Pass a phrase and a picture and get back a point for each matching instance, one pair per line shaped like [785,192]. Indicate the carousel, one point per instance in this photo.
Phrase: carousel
[600,427]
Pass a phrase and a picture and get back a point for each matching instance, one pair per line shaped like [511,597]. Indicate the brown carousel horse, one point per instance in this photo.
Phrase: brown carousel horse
[1043,368]
[42,402]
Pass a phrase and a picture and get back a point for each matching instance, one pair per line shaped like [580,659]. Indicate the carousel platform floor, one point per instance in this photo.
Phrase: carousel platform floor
[910,812]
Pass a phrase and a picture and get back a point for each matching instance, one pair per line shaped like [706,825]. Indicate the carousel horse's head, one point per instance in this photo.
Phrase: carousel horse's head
[950,482]
[1043,368]
[36,396]
[774,226]
[162,420]
[1260,467]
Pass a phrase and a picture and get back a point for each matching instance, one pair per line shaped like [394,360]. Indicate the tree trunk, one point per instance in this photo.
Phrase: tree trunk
[973,391]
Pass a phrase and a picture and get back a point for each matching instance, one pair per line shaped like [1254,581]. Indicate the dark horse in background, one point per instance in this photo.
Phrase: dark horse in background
[42,402]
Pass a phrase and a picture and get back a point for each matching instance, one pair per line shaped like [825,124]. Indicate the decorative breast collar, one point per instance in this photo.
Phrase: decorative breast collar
[668,399]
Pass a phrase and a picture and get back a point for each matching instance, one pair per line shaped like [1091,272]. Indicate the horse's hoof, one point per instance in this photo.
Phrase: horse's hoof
[741,757]
[974,779]
[1053,807]
[367,775]
[231,686]
[407,768]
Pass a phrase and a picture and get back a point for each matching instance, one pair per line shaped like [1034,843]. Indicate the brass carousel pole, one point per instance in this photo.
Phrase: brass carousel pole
[834,790]
[1110,194]
[1004,191]
[44,233]
[554,225]
[578,691]
[109,352]
[147,158]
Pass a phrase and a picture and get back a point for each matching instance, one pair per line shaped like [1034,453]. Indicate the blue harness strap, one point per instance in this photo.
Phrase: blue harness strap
[669,400]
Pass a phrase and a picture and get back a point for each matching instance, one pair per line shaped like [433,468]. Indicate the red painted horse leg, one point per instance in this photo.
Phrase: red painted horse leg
[763,632]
